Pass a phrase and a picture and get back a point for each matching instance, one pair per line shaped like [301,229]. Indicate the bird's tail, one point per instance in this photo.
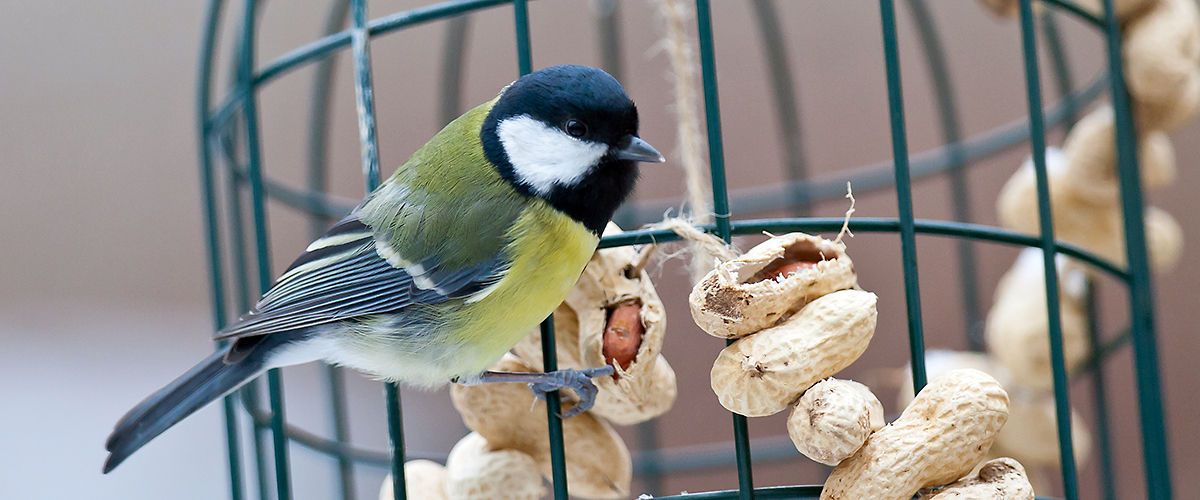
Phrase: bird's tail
[204,383]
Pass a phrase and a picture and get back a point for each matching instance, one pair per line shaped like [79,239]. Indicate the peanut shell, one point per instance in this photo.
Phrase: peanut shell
[1031,434]
[424,479]
[833,419]
[1091,158]
[1162,51]
[996,479]
[1078,220]
[640,391]
[509,417]
[939,438]
[1017,327]
[735,299]
[476,471]
[764,373]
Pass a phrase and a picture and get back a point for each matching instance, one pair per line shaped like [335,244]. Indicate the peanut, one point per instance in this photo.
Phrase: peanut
[1097,226]
[998,479]
[1091,158]
[939,438]
[509,417]
[643,387]
[833,419]
[748,293]
[764,373]
[423,479]
[476,471]
[1018,329]
[623,334]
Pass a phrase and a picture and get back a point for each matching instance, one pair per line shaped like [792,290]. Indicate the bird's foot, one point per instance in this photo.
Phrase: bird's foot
[579,381]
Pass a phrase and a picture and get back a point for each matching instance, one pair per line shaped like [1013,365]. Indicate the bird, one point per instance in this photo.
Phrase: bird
[448,263]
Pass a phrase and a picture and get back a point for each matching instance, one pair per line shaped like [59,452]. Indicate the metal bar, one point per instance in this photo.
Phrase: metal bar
[454,57]
[554,429]
[908,244]
[317,180]
[1037,138]
[759,199]
[364,93]
[1108,480]
[1063,79]
[870,225]
[261,242]
[365,106]
[1141,292]
[948,113]
[318,120]
[716,162]
[521,19]
[395,420]
[608,14]
[237,242]
[791,131]
[558,460]
[212,230]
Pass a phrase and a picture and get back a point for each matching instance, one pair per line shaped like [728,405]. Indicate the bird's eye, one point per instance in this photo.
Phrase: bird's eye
[575,128]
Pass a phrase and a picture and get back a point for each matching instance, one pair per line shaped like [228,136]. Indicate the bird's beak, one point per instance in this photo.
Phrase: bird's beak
[634,148]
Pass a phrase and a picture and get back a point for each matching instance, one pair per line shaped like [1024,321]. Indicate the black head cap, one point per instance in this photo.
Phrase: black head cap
[568,134]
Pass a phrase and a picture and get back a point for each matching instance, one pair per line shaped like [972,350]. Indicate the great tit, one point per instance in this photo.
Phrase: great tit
[449,263]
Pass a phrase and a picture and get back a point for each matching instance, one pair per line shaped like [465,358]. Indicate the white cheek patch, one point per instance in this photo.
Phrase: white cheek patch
[543,156]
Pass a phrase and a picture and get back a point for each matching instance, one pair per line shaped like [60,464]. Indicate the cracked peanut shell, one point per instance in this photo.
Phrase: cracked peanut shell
[749,293]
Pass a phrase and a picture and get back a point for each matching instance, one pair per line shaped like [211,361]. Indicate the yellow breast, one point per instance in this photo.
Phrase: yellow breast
[549,251]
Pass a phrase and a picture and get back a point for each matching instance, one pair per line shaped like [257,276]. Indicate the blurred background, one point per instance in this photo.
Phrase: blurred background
[103,283]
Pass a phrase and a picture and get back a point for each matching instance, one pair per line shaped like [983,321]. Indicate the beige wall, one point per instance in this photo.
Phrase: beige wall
[103,291]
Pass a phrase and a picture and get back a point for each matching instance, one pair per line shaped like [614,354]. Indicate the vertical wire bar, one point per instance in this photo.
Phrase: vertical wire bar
[1064,82]
[608,39]
[1063,77]
[960,197]
[791,132]
[716,161]
[608,13]
[558,462]
[908,244]
[283,487]
[335,385]
[453,60]
[364,93]
[212,231]
[365,104]
[395,420]
[237,242]
[1037,138]
[521,19]
[318,162]
[1145,349]
[227,139]
[1108,481]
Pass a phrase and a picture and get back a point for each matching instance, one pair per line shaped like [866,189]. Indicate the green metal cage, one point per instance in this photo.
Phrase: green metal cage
[230,151]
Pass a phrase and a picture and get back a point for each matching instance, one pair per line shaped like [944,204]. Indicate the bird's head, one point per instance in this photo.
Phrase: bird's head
[568,135]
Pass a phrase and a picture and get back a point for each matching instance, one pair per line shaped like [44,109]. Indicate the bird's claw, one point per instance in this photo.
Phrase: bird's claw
[579,381]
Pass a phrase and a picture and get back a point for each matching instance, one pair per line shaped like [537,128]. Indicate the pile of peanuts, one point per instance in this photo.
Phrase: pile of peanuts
[613,316]
[794,307]
[1161,53]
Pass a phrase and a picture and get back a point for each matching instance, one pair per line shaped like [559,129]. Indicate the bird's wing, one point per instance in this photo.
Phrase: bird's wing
[345,274]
